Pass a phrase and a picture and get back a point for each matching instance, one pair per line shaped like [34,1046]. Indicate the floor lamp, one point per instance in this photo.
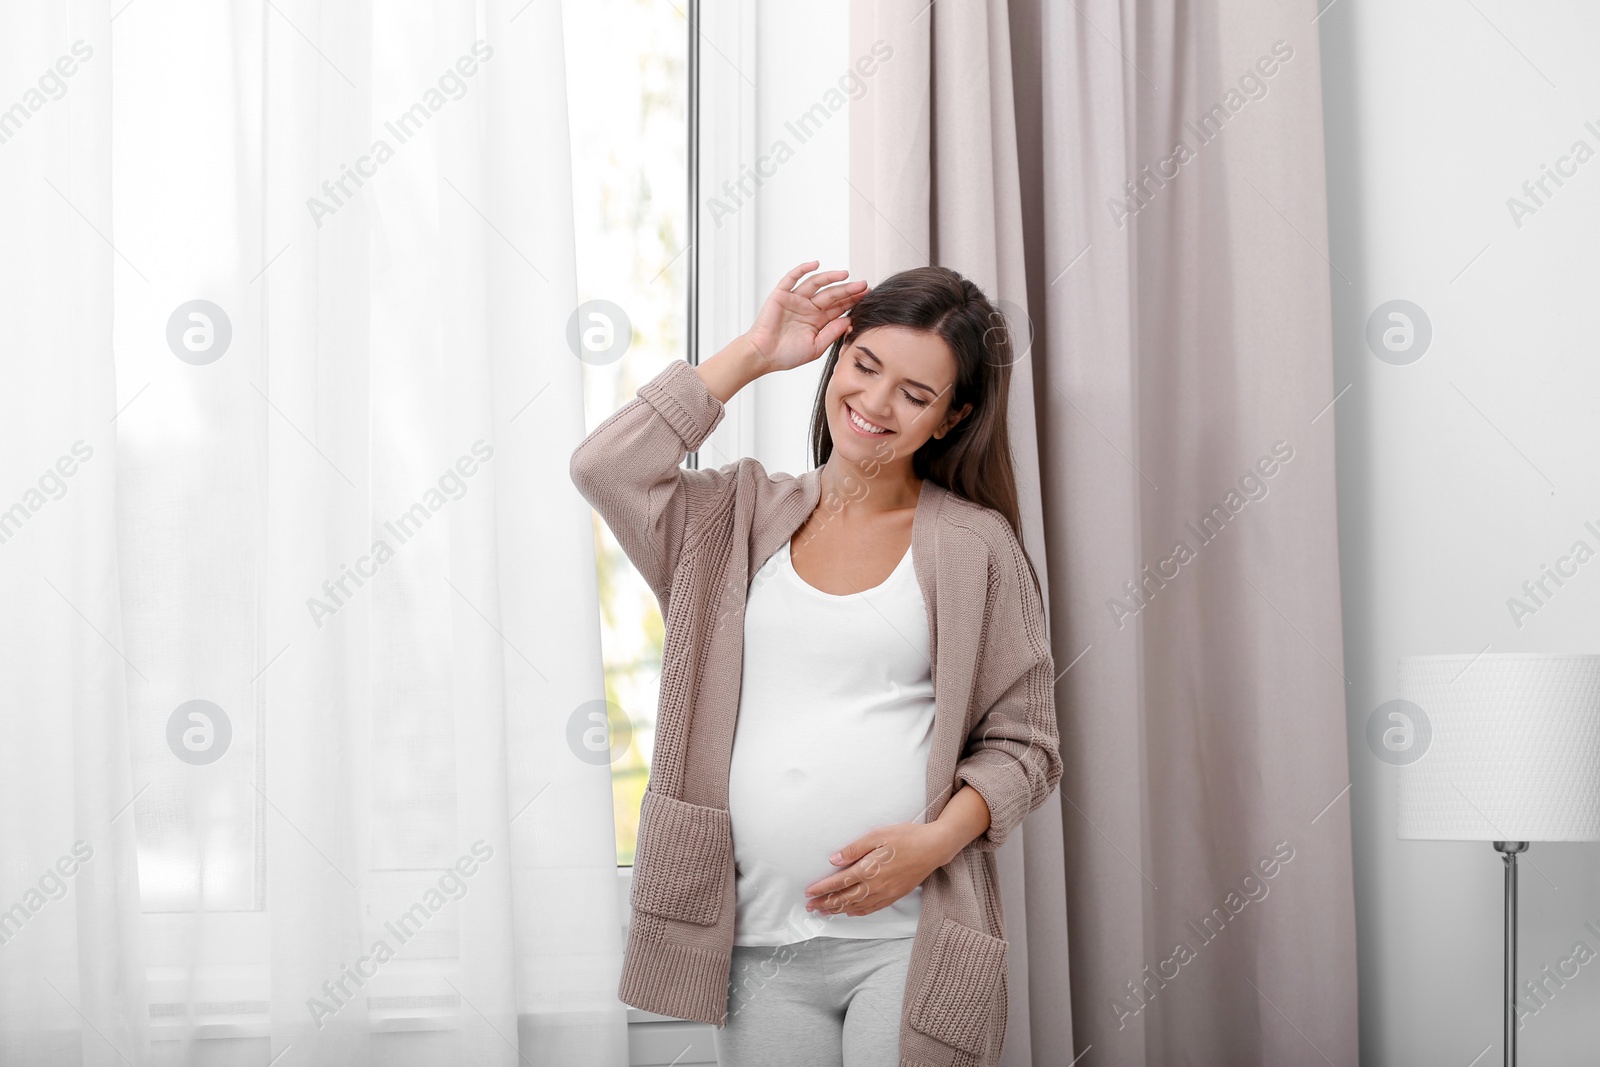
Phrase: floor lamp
[1513,757]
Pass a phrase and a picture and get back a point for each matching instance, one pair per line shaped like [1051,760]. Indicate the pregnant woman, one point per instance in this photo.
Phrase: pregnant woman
[857,686]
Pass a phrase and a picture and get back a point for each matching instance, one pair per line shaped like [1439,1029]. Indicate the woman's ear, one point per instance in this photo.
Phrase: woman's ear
[952,419]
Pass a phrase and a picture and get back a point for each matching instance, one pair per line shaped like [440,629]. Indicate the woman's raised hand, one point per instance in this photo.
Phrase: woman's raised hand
[799,321]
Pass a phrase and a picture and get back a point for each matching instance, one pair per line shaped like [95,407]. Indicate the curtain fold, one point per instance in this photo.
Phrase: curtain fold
[284,650]
[1144,181]
[70,955]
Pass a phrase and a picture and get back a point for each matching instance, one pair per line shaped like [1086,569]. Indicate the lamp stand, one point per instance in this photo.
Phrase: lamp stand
[1509,851]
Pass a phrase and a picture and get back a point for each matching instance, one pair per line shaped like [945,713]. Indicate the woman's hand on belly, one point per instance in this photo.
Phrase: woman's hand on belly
[880,867]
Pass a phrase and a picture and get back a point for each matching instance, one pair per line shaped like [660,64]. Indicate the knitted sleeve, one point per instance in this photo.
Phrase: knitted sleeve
[628,469]
[1013,754]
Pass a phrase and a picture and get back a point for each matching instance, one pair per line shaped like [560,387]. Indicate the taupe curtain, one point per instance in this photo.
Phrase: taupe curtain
[1142,184]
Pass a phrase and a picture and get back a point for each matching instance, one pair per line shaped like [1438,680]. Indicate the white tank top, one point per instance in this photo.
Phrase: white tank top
[834,730]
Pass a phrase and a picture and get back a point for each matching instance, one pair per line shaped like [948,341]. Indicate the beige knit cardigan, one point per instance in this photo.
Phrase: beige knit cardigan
[698,537]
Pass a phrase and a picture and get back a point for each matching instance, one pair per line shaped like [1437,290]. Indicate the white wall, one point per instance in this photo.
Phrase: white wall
[1464,472]
[797,211]
[804,49]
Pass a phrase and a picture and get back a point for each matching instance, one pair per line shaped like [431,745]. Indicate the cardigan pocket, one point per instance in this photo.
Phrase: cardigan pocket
[953,997]
[681,860]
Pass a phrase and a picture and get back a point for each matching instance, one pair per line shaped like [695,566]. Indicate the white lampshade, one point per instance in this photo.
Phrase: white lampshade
[1513,749]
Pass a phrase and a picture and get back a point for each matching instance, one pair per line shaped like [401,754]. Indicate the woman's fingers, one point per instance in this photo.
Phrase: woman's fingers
[788,280]
[835,294]
[831,333]
[809,287]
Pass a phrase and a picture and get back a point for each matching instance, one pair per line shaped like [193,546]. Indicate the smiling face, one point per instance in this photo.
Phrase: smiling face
[891,389]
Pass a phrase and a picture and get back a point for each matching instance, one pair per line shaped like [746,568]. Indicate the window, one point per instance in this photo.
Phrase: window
[628,97]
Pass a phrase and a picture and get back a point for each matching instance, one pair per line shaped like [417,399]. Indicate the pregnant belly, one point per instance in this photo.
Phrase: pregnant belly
[792,806]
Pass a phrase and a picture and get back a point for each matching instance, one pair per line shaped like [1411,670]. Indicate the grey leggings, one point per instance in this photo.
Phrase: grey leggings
[824,1002]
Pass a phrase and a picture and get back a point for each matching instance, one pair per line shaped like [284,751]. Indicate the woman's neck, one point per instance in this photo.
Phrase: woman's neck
[885,488]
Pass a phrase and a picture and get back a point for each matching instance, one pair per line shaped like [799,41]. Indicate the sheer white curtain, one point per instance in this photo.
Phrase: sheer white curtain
[298,605]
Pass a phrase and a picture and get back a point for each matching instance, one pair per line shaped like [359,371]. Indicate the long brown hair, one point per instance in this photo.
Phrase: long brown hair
[973,460]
